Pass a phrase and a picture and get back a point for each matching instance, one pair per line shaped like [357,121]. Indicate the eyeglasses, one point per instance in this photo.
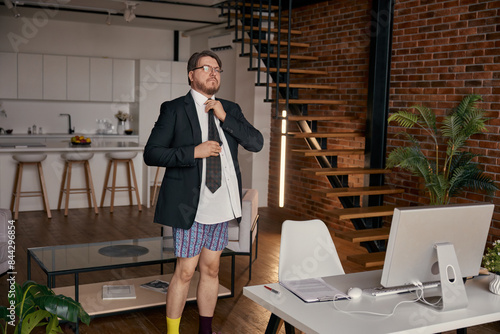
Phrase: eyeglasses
[209,69]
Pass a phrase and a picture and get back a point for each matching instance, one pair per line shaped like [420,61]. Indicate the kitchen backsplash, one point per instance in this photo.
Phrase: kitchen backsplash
[22,114]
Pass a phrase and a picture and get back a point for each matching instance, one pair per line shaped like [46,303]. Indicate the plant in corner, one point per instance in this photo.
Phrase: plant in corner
[36,305]
[491,259]
[446,174]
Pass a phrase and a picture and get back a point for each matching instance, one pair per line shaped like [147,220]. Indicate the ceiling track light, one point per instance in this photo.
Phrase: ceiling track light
[13,8]
[129,12]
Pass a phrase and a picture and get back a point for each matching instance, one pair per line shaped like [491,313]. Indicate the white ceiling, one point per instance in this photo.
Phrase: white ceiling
[182,15]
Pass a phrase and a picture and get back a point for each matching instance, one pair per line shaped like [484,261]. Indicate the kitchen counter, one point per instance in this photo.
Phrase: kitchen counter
[66,146]
[53,169]
[58,137]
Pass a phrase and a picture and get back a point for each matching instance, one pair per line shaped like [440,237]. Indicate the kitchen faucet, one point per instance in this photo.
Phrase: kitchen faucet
[70,129]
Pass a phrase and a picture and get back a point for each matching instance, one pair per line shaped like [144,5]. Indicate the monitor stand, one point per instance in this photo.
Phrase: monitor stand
[453,295]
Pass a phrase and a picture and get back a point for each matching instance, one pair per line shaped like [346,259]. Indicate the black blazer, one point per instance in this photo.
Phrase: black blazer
[171,144]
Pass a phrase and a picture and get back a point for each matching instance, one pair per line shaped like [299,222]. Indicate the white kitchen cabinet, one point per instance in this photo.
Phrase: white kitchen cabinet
[101,79]
[54,77]
[30,76]
[78,79]
[155,71]
[123,80]
[149,108]
[8,77]
[180,85]
[179,73]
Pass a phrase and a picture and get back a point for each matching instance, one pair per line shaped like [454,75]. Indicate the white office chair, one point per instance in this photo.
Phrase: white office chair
[307,251]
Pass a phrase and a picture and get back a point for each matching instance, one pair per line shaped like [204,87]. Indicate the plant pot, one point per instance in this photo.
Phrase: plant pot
[495,284]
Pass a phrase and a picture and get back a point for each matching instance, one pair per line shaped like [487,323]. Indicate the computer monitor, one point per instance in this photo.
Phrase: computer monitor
[411,254]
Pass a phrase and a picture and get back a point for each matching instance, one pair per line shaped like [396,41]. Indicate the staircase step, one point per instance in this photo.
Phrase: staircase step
[299,101]
[284,56]
[293,70]
[329,153]
[345,171]
[283,43]
[364,212]
[320,118]
[358,191]
[305,86]
[325,134]
[368,260]
[256,17]
[272,30]
[369,234]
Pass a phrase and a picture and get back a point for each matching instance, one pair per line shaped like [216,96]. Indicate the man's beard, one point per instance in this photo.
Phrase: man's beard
[204,88]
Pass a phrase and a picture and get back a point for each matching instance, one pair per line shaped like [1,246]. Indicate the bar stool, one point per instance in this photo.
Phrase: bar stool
[156,184]
[22,161]
[70,160]
[114,159]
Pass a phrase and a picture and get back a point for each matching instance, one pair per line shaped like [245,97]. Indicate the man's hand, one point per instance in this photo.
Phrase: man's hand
[207,149]
[219,111]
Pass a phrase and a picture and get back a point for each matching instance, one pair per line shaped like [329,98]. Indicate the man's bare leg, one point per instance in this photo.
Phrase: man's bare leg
[179,286]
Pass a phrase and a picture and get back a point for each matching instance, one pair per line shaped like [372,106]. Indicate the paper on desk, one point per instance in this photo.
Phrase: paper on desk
[314,290]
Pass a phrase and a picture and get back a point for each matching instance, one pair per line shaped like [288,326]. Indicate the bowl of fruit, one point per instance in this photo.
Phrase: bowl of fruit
[80,140]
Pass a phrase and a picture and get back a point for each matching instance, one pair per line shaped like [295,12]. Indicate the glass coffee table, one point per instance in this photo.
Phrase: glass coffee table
[81,258]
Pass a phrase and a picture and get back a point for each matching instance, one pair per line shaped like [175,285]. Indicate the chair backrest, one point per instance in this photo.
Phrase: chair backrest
[307,251]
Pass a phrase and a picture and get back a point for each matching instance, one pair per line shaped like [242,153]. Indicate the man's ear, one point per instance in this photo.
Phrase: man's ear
[190,75]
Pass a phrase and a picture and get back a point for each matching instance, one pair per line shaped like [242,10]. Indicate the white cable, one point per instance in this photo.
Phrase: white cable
[374,313]
[419,294]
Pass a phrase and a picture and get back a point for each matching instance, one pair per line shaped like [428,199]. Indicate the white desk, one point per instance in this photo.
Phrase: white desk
[484,307]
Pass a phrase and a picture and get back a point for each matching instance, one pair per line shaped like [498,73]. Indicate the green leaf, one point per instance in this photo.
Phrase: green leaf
[64,307]
[428,118]
[53,326]
[404,118]
[4,312]
[32,320]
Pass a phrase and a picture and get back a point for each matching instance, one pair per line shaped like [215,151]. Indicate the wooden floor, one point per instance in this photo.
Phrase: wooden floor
[237,315]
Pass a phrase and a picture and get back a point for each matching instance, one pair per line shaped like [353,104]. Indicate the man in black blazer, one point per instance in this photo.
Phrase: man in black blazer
[197,212]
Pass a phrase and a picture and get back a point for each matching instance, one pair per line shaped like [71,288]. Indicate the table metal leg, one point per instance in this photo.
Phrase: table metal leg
[29,265]
[233,265]
[289,329]
[273,324]
[77,325]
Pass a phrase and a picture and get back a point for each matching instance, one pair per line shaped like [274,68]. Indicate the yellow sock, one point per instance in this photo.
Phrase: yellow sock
[173,325]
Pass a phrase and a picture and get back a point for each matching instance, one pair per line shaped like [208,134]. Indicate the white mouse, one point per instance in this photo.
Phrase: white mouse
[354,293]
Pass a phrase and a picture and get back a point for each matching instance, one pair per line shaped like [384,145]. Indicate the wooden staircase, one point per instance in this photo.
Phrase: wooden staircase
[268,38]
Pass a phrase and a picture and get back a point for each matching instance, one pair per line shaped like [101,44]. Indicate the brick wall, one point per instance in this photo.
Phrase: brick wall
[442,51]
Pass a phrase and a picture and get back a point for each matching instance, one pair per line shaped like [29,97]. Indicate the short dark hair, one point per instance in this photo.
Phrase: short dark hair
[193,60]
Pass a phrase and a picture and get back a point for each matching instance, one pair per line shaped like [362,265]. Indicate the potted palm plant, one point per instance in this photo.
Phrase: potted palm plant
[446,172]
[36,305]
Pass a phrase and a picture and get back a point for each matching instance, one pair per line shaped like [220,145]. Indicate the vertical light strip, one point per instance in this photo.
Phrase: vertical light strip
[282,161]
